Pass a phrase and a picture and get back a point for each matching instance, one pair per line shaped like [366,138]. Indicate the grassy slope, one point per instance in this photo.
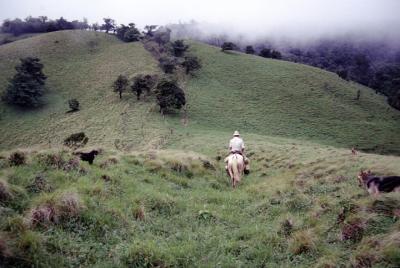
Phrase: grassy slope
[192,217]
[278,98]
[80,65]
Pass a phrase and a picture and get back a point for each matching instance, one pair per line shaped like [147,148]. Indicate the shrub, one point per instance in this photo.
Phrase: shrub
[179,48]
[73,105]
[120,84]
[17,158]
[353,230]
[191,64]
[228,46]
[250,50]
[302,242]
[39,184]
[169,95]
[27,86]
[76,140]
[54,160]
[5,193]
[143,83]
[57,209]
[168,64]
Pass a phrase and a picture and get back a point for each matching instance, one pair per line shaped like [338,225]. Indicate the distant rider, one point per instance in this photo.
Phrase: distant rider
[236,146]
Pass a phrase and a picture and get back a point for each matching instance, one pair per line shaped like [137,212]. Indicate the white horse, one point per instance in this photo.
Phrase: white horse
[235,167]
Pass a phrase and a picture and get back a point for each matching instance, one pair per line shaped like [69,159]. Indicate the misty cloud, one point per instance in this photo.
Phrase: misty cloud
[252,19]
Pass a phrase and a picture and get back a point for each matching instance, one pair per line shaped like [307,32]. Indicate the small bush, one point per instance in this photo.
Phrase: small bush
[73,105]
[17,158]
[353,230]
[71,164]
[53,160]
[5,193]
[39,184]
[109,162]
[139,212]
[302,242]
[57,209]
[76,140]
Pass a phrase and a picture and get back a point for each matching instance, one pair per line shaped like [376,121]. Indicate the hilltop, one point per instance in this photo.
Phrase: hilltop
[268,97]
[157,195]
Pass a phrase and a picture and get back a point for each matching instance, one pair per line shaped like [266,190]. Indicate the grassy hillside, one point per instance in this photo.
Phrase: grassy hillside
[157,195]
[300,207]
[278,98]
[82,65]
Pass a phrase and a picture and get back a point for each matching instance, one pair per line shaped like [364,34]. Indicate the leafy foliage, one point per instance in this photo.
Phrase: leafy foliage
[109,25]
[120,84]
[168,64]
[76,140]
[128,33]
[179,48]
[250,50]
[73,105]
[228,46]
[40,24]
[169,95]
[27,86]
[143,83]
[191,64]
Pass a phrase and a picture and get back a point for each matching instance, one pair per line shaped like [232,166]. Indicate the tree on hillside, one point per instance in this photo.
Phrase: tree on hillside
[228,46]
[275,54]
[27,86]
[128,33]
[109,24]
[143,83]
[149,30]
[191,64]
[179,48]
[265,52]
[95,27]
[73,105]
[162,35]
[120,84]
[168,64]
[169,95]
[250,50]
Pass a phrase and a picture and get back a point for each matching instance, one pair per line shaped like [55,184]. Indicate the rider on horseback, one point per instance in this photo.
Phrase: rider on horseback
[236,146]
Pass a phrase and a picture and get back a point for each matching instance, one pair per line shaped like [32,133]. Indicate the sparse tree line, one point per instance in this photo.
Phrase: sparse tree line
[173,59]
[27,87]
[41,24]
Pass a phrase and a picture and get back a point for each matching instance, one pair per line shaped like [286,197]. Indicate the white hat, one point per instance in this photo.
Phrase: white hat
[236,133]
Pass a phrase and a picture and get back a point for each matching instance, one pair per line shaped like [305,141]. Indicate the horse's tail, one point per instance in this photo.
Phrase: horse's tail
[235,168]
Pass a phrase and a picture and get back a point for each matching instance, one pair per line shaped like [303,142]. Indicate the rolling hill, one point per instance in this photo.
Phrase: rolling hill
[157,195]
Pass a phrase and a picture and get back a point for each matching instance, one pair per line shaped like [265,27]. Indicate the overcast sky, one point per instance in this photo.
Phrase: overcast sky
[292,17]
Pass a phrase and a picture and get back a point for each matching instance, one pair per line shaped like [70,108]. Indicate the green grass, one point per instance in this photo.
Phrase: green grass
[150,200]
[80,65]
[149,212]
[278,98]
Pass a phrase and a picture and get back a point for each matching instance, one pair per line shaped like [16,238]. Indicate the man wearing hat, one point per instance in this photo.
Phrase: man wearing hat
[236,145]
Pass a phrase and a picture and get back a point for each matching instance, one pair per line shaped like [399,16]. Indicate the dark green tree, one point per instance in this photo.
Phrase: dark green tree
[149,30]
[250,50]
[265,52]
[167,64]
[275,54]
[27,86]
[73,105]
[143,83]
[109,24]
[169,95]
[120,84]
[228,46]
[179,48]
[191,64]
